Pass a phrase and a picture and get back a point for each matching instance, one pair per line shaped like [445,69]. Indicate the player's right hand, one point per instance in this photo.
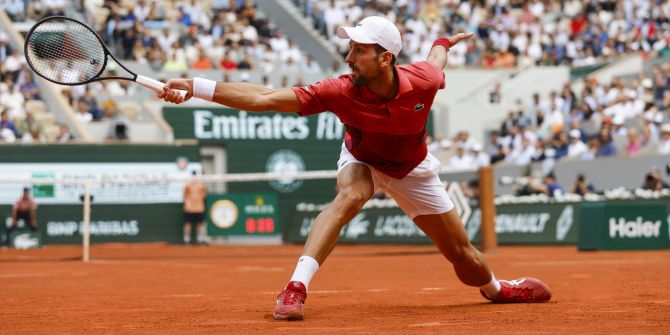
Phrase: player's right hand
[170,94]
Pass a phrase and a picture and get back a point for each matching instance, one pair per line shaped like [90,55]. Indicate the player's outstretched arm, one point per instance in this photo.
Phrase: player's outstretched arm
[438,54]
[245,96]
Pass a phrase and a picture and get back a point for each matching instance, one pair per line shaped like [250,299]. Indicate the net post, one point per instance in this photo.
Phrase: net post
[86,235]
[488,209]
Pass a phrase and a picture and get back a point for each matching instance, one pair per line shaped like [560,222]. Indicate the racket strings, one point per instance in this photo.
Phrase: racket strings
[65,51]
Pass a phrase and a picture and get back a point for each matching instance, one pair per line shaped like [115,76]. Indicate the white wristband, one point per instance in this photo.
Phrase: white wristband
[204,88]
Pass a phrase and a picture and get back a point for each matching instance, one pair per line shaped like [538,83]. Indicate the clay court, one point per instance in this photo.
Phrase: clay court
[165,289]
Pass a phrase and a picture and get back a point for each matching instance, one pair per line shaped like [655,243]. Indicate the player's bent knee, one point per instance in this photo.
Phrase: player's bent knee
[351,199]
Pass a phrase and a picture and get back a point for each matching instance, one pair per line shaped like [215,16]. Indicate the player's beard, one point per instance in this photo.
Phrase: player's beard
[361,80]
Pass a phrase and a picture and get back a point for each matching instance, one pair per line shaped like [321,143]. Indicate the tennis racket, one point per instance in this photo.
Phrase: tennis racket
[67,52]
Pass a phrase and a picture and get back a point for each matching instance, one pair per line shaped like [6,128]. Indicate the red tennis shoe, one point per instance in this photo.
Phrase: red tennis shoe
[290,301]
[522,290]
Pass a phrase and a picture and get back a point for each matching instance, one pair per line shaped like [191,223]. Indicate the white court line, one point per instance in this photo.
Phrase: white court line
[372,290]
[23,275]
[258,269]
[617,261]
[179,265]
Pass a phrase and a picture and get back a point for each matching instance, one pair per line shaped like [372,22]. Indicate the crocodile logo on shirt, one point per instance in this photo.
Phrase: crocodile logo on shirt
[418,107]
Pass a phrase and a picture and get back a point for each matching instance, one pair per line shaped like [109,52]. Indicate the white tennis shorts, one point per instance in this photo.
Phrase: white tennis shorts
[421,192]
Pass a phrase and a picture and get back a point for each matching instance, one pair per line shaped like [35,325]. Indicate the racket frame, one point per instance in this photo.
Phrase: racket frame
[104,47]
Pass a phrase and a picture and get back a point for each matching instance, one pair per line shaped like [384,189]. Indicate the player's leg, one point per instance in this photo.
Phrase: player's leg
[354,187]
[422,197]
[448,233]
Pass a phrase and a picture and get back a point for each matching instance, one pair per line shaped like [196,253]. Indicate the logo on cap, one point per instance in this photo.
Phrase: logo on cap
[418,107]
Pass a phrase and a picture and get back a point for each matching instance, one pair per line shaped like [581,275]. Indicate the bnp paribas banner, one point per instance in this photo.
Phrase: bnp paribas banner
[62,224]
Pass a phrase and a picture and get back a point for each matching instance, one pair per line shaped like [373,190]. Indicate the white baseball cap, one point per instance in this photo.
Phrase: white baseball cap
[575,133]
[374,30]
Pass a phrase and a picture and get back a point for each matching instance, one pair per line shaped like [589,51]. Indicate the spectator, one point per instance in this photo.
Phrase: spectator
[15,9]
[246,63]
[664,144]
[522,155]
[576,148]
[13,100]
[606,147]
[335,69]
[194,210]
[310,66]
[83,114]
[461,160]
[8,130]
[549,186]
[118,126]
[499,155]
[24,209]
[634,142]
[5,49]
[64,134]
[653,181]
[480,159]
[13,64]
[495,96]
[29,88]
[561,143]
[581,187]
[92,102]
[175,65]
[30,129]
[202,63]
[227,63]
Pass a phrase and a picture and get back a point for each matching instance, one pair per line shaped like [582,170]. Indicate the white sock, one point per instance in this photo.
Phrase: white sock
[305,270]
[492,288]
[187,240]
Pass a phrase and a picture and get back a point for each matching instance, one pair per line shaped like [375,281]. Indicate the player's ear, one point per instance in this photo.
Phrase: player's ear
[387,58]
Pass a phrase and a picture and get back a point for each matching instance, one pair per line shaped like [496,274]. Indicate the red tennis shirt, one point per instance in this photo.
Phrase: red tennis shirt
[388,135]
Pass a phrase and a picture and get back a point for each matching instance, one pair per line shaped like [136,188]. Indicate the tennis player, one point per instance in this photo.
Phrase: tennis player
[384,108]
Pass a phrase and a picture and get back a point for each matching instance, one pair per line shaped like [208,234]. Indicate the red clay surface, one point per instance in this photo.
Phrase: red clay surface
[162,289]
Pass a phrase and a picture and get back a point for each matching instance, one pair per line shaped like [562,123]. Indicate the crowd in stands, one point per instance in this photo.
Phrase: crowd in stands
[603,120]
[21,118]
[510,32]
[178,36]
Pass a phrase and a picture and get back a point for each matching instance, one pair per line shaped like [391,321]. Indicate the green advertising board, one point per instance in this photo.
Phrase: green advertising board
[371,225]
[243,214]
[62,224]
[537,224]
[630,225]
[545,223]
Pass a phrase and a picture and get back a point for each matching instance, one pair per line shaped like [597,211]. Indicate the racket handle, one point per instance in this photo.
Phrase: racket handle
[155,85]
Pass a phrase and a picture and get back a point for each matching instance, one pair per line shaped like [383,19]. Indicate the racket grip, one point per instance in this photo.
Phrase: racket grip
[155,85]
